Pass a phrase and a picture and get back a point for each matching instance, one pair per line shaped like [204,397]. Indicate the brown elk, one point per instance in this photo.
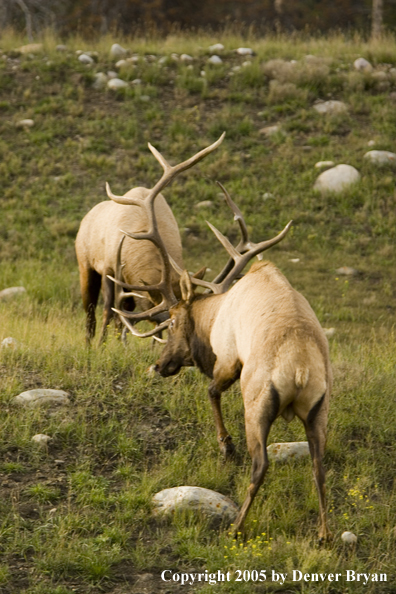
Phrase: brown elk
[262,331]
[99,236]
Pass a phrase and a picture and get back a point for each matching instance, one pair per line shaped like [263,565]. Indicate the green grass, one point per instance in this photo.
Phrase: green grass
[76,516]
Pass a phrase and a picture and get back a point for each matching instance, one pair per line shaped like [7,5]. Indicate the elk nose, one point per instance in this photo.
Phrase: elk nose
[156,368]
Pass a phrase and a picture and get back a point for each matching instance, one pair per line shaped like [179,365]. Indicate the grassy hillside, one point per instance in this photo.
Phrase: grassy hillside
[84,524]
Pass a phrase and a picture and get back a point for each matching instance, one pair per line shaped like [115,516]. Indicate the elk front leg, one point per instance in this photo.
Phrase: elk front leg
[216,387]
[90,289]
[108,298]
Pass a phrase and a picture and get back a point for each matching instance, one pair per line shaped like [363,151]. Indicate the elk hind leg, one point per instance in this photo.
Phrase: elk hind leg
[258,425]
[90,282]
[315,428]
[108,298]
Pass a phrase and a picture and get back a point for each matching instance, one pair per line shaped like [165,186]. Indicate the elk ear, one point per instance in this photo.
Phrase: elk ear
[186,287]
[200,274]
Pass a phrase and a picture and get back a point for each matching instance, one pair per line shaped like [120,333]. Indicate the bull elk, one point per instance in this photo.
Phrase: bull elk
[260,330]
[99,236]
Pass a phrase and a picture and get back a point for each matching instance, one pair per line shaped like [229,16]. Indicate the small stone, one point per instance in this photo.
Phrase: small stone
[204,204]
[371,143]
[121,63]
[9,343]
[347,271]
[42,396]
[381,157]
[349,537]
[294,260]
[85,59]
[137,81]
[269,130]
[41,439]
[25,123]
[324,164]
[100,81]
[362,65]
[163,60]
[175,57]
[247,63]
[329,332]
[186,58]
[217,47]
[116,83]
[203,73]
[61,48]
[133,59]
[337,179]
[215,60]
[210,503]
[244,51]
[268,196]
[379,76]
[117,51]
[330,107]
[31,48]
[235,68]
[282,452]
[12,292]
[145,98]
[59,462]
[112,74]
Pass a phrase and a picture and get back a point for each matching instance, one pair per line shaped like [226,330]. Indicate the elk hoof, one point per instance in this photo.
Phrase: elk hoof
[325,538]
[227,448]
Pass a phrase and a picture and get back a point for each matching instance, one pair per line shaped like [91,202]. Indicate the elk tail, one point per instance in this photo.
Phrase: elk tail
[301,377]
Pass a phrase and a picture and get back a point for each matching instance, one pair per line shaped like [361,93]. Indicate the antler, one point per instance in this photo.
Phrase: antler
[152,234]
[239,256]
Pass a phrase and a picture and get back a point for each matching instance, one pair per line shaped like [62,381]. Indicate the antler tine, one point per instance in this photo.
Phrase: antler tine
[196,281]
[238,216]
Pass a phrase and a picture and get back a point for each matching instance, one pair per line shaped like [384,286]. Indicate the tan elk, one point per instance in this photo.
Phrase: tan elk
[99,236]
[260,330]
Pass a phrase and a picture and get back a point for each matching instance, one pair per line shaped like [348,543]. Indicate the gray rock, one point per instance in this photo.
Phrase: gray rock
[216,47]
[349,537]
[204,204]
[117,51]
[293,450]
[244,51]
[337,179]
[347,271]
[269,130]
[100,80]
[25,123]
[137,81]
[116,83]
[11,292]
[210,503]
[381,157]
[61,48]
[324,164]
[112,74]
[371,143]
[268,196]
[85,59]
[330,107]
[9,343]
[121,63]
[362,65]
[42,397]
[186,58]
[41,439]
[215,60]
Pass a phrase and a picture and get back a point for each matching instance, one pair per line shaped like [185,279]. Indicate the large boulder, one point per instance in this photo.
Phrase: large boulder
[11,292]
[215,506]
[293,450]
[381,157]
[337,179]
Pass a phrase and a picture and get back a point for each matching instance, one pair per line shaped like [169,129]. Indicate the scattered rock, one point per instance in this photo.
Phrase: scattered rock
[281,452]
[100,80]
[245,51]
[11,292]
[215,59]
[41,439]
[217,47]
[112,74]
[121,63]
[362,65]
[31,48]
[330,107]
[117,52]
[59,462]
[269,130]
[324,164]
[137,81]
[371,143]
[42,396]
[9,343]
[186,58]
[116,83]
[337,179]
[61,48]
[294,260]
[381,157]
[204,204]
[347,271]
[85,59]
[349,537]
[175,57]
[329,332]
[211,504]
[145,98]
[25,123]
[268,196]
